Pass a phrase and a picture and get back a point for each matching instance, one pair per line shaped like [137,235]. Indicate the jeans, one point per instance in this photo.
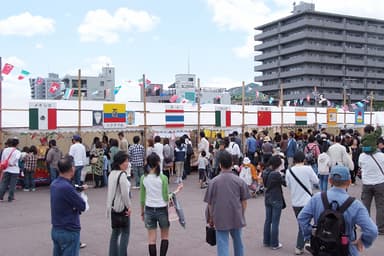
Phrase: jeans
[138,171]
[53,172]
[105,177]
[77,177]
[300,238]
[118,243]
[271,224]
[65,242]
[223,243]
[376,191]
[251,156]
[323,182]
[29,181]
[9,179]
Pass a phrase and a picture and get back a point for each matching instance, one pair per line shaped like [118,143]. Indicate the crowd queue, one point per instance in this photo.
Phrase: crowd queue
[231,173]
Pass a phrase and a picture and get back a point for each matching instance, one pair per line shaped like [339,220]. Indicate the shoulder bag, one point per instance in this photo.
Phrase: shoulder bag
[4,164]
[381,169]
[118,219]
[300,183]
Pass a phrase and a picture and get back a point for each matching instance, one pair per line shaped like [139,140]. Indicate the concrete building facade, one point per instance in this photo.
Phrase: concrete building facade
[40,87]
[343,56]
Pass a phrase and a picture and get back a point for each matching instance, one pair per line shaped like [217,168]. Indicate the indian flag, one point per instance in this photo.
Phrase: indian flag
[222,117]
[301,118]
[42,116]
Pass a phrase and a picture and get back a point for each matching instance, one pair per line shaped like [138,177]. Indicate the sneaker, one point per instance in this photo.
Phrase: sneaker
[277,247]
[299,251]
[26,190]
[135,187]
[83,245]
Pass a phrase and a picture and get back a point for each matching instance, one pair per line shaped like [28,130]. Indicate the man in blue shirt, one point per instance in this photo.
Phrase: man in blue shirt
[291,148]
[66,206]
[356,214]
[250,147]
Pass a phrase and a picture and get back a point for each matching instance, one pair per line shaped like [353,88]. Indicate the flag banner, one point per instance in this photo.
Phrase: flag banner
[54,87]
[331,116]
[7,69]
[116,89]
[173,98]
[114,115]
[222,117]
[39,81]
[359,116]
[97,118]
[25,72]
[68,93]
[190,96]
[264,118]
[174,116]
[42,116]
[301,118]
[130,117]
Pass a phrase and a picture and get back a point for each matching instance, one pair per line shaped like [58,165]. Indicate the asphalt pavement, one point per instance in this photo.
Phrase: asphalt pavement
[25,225]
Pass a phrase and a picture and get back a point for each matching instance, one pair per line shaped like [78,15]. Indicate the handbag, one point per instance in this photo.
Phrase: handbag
[210,235]
[172,214]
[118,219]
[4,164]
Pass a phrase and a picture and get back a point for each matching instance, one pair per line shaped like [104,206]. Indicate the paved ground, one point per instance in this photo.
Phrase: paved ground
[25,226]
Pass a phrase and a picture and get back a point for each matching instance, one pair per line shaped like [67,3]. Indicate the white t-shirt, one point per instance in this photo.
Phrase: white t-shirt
[13,163]
[323,164]
[77,151]
[308,177]
[370,171]
[154,191]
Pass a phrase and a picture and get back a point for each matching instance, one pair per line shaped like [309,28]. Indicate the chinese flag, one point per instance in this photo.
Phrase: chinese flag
[7,69]
[264,118]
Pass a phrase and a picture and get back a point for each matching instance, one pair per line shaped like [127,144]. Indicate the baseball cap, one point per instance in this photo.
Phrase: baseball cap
[76,137]
[340,173]
[246,160]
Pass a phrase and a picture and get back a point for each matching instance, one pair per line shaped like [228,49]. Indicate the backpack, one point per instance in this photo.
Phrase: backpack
[309,156]
[189,149]
[328,237]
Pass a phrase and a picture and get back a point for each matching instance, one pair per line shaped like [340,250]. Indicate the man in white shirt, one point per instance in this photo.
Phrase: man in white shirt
[300,197]
[123,145]
[372,176]
[12,171]
[338,154]
[78,152]
[203,144]
[158,148]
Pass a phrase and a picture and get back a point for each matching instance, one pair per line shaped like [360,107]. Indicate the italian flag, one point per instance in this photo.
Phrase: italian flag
[222,117]
[42,116]
[301,118]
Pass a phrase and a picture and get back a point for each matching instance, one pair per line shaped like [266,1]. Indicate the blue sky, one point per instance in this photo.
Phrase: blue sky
[142,36]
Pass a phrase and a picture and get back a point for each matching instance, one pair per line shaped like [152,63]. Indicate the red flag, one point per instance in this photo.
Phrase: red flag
[20,77]
[264,118]
[308,98]
[54,87]
[39,81]
[7,69]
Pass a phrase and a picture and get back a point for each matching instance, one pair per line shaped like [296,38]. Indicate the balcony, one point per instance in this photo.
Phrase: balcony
[261,36]
[354,27]
[266,77]
[268,55]
[263,46]
[355,50]
[266,66]
[375,52]
[375,41]
[355,39]
[355,73]
[378,29]
[373,63]
[292,37]
[376,75]
[359,62]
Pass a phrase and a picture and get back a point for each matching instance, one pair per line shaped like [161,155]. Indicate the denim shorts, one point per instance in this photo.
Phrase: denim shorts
[154,215]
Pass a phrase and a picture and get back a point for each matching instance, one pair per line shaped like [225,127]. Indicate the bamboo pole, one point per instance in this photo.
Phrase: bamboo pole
[371,108]
[145,114]
[281,109]
[315,95]
[1,104]
[79,94]
[243,114]
[198,111]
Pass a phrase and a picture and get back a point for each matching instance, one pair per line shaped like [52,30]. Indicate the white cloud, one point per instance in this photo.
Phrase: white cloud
[101,25]
[25,24]
[221,82]
[92,66]
[39,46]
[244,15]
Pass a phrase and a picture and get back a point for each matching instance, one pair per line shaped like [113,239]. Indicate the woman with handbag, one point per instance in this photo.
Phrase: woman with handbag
[154,199]
[119,205]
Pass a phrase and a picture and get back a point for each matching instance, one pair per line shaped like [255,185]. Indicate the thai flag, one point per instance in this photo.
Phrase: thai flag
[174,117]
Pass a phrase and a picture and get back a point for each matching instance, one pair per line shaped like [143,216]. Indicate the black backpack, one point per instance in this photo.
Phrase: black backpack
[328,237]
[309,157]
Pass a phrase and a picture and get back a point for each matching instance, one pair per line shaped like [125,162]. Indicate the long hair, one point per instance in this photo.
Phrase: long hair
[153,162]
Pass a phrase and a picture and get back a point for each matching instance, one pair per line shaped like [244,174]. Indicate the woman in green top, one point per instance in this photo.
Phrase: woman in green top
[154,199]
[97,166]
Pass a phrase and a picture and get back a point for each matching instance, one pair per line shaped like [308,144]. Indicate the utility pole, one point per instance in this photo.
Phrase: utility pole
[79,95]
[198,110]
[243,115]
[371,107]
[315,94]
[145,113]
[1,103]
[281,108]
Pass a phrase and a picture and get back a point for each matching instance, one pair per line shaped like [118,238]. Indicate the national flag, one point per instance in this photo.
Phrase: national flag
[308,98]
[257,94]
[7,69]
[107,93]
[271,100]
[114,113]
[54,87]
[68,93]
[39,81]
[331,116]
[301,101]
[42,116]
[147,82]
[301,118]
[174,117]
[25,72]
[173,98]
[359,116]
[156,88]
[264,118]
[222,117]
[95,92]
[116,89]
[287,103]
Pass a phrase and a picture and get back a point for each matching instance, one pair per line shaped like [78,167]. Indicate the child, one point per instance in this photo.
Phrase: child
[259,171]
[202,163]
[369,140]
[248,173]
[30,165]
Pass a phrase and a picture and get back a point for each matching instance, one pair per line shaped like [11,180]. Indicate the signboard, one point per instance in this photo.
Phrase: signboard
[331,116]
[114,116]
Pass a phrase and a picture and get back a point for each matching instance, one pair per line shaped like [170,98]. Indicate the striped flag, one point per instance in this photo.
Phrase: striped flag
[301,118]
[174,117]
[222,117]
[68,93]
[42,116]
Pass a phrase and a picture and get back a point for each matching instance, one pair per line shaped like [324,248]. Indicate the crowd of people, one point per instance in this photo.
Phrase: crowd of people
[303,161]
